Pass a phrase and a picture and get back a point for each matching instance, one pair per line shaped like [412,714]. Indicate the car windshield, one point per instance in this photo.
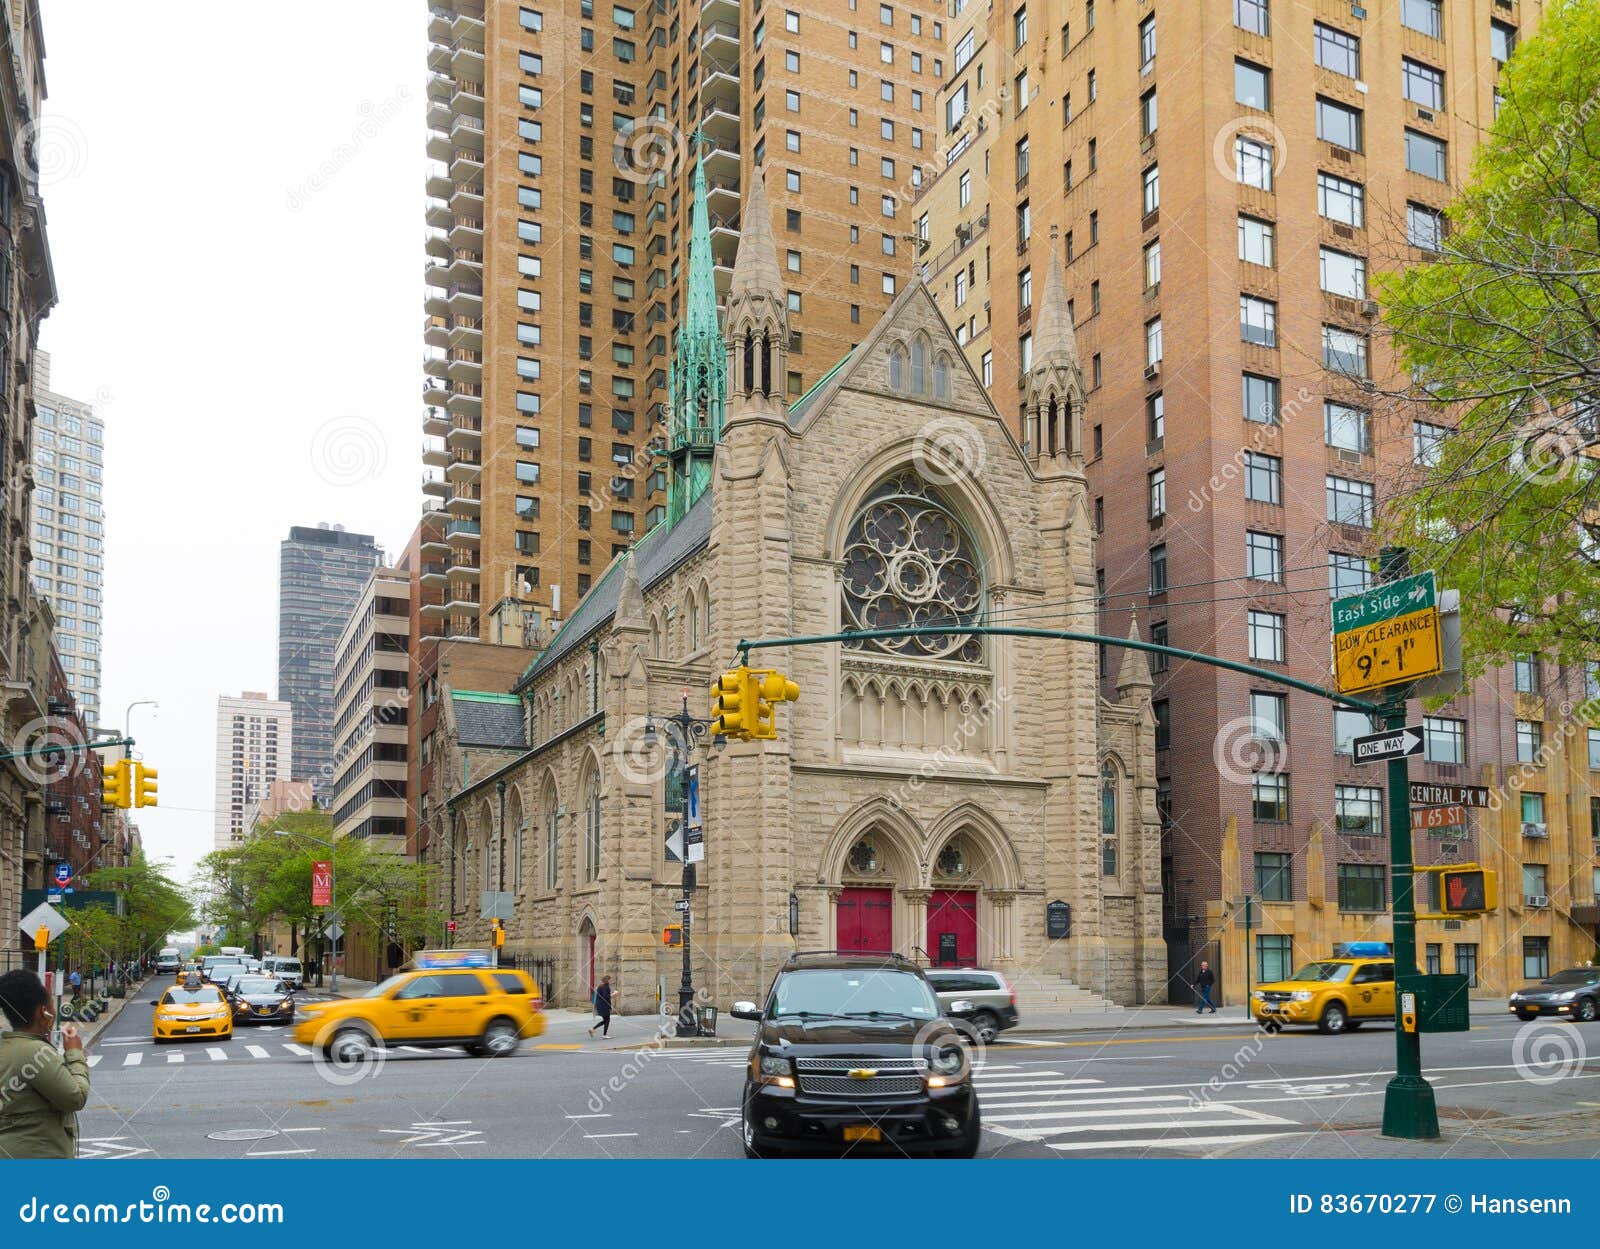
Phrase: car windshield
[189,997]
[384,988]
[1333,973]
[260,984]
[1575,975]
[286,964]
[853,993]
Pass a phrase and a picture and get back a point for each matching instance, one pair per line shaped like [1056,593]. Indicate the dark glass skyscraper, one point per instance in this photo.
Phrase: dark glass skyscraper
[320,577]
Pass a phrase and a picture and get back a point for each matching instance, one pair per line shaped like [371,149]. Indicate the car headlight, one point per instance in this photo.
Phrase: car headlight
[1258,995]
[771,1069]
[1566,997]
[286,1003]
[1300,995]
[1516,997]
[947,1061]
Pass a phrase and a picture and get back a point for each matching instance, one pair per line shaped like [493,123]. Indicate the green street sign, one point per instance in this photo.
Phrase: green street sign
[1395,598]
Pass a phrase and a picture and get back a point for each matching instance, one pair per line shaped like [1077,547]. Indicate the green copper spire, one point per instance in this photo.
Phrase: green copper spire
[699,369]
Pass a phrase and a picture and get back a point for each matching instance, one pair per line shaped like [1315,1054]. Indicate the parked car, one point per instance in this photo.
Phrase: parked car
[1574,993]
[988,1003]
[853,1053]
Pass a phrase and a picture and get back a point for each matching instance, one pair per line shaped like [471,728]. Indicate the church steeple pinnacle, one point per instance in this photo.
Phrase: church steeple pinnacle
[699,392]
[1054,397]
[758,314]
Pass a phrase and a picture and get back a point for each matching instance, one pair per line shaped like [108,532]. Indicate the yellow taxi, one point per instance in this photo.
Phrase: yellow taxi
[447,997]
[191,1011]
[1336,994]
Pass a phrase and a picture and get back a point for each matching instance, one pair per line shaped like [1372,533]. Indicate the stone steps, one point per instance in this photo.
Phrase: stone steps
[1049,991]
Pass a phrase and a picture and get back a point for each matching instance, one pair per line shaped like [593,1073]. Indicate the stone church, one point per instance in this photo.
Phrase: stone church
[928,795]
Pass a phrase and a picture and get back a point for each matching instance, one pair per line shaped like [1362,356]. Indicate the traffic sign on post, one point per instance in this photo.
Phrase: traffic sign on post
[1424,794]
[1387,636]
[1391,744]
[44,916]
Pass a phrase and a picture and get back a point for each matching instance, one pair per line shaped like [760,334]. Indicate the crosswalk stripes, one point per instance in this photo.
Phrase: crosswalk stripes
[1074,1114]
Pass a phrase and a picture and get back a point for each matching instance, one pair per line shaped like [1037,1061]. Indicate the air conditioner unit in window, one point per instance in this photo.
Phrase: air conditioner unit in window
[1536,899]
[1533,829]
[1153,370]
[1369,308]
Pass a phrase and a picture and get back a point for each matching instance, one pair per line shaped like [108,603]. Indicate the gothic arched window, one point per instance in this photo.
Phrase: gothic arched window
[941,376]
[908,562]
[1108,819]
[897,370]
[919,365]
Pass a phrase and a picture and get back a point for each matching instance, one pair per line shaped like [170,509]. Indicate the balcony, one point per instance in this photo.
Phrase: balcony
[466,168]
[466,566]
[465,434]
[432,611]
[465,501]
[466,269]
[433,543]
[726,150]
[435,393]
[466,233]
[438,184]
[721,79]
[463,533]
[466,60]
[465,366]
[720,120]
[440,88]
[435,423]
[438,215]
[439,147]
[440,54]
[435,454]
[464,466]
[466,132]
[465,399]
[435,486]
[440,116]
[720,37]
[727,188]
[467,29]
[466,97]
[465,334]
[465,300]
[435,363]
[437,243]
[719,10]
[465,201]
[436,331]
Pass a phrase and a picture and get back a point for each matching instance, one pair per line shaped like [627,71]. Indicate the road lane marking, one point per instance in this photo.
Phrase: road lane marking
[550,1045]
[176,1056]
[300,1129]
[276,1153]
[140,1041]
[256,1051]
[588,1116]
[606,1136]
[296,1049]
[133,1059]
[216,1053]
[1199,1142]
[93,1059]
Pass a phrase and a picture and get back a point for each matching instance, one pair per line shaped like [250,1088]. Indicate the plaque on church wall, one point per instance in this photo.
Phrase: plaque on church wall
[1057,920]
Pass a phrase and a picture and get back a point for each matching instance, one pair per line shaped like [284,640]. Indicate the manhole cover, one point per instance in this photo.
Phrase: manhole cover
[242,1134]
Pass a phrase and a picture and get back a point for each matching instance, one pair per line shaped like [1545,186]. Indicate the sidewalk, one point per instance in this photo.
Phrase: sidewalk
[142,991]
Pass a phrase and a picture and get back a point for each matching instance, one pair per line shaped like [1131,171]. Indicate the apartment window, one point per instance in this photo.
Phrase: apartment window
[1263,556]
[1273,877]
[1532,808]
[1147,113]
[1261,399]
[1347,428]
[1427,442]
[1147,42]
[1535,958]
[1339,199]
[1152,265]
[1158,493]
[1338,124]
[1274,952]
[1025,289]
[988,369]
[1422,84]
[1252,15]
[1263,478]
[1022,159]
[1258,321]
[1252,85]
[1269,797]
[1424,227]
[1152,189]
[1152,343]
[791,21]
[964,188]
[1268,636]
[1253,163]
[1530,741]
[1347,574]
[1502,41]
[1348,725]
[1158,569]
[1350,502]
[1423,16]
[1425,155]
[1432,958]
[1358,809]
[1256,241]
[964,50]
[1155,410]
[1344,351]
[1343,274]
[1467,959]
[1094,87]
[1161,708]
[527,473]
[1529,679]
[1337,51]
[1361,887]
[1269,714]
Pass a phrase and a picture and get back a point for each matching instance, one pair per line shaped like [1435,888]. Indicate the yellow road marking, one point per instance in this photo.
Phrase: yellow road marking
[550,1045]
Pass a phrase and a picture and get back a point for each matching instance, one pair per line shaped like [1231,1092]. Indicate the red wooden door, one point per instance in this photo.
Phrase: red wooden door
[953,928]
[864,920]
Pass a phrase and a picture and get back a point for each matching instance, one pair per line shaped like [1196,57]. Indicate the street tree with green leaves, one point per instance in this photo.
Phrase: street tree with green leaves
[1500,330]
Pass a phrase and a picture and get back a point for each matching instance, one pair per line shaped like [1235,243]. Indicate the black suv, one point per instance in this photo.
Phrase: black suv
[853,1053]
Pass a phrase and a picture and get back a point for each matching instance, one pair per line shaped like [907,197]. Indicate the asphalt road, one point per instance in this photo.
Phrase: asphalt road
[1504,1090]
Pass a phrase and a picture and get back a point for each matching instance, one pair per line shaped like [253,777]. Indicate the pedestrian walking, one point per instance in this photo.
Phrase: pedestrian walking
[1204,982]
[41,1090]
[602,1008]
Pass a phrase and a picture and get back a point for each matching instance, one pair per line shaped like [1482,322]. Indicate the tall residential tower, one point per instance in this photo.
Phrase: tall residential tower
[255,741]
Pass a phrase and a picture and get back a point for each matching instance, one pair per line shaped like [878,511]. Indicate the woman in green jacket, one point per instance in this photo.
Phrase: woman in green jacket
[41,1090]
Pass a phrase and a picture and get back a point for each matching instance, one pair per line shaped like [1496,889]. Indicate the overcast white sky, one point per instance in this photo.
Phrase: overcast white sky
[235,202]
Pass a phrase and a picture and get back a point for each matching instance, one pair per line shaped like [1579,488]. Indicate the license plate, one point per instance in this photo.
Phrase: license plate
[194,1027]
[861,1132]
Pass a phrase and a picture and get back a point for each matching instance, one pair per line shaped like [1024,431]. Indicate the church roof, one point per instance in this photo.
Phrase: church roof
[490,720]
[799,408]
[655,556]
[700,306]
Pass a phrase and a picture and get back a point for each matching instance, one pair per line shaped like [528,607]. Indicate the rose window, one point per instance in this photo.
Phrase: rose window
[908,563]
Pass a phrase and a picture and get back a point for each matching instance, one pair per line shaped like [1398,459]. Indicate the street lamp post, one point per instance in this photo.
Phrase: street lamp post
[127,715]
[333,898]
[684,732]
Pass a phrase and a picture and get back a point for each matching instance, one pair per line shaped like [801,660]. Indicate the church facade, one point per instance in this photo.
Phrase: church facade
[930,795]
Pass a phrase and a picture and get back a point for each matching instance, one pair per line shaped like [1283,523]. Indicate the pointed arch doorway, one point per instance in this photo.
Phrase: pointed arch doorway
[586,957]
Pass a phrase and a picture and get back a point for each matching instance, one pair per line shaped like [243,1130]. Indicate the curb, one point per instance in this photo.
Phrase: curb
[104,1022]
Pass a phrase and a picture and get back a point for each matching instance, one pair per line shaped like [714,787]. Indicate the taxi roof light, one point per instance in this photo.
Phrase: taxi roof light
[440,960]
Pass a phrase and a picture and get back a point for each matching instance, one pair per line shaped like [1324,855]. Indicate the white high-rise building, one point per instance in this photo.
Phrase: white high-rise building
[69,531]
[255,743]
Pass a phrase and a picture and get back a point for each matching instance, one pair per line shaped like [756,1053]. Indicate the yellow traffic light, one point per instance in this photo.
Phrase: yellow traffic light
[144,785]
[672,934]
[730,704]
[114,787]
[771,687]
[41,938]
[498,936]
